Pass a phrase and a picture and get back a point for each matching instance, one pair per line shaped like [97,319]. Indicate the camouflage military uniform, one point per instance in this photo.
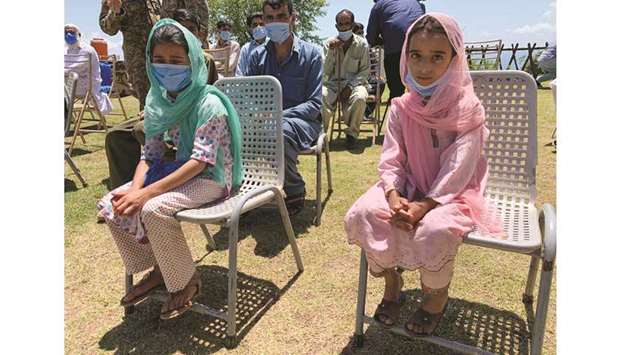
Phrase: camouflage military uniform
[198,7]
[135,21]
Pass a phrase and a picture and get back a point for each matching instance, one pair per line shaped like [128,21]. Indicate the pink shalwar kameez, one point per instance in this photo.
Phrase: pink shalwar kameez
[432,149]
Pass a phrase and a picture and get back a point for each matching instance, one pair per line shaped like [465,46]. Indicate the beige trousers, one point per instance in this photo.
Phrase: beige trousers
[352,112]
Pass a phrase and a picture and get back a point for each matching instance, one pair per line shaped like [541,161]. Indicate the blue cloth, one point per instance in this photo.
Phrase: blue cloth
[106,73]
[300,75]
[244,57]
[159,169]
[391,19]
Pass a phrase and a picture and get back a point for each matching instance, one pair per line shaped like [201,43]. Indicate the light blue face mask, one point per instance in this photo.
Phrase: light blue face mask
[258,33]
[278,31]
[225,36]
[70,38]
[173,77]
[345,36]
[421,89]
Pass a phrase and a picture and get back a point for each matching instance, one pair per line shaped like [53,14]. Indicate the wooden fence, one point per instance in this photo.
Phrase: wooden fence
[488,55]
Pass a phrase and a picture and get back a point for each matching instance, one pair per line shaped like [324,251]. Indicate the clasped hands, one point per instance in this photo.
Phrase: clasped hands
[130,201]
[406,215]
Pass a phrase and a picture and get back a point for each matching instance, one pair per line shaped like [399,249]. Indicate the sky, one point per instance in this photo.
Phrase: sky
[522,22]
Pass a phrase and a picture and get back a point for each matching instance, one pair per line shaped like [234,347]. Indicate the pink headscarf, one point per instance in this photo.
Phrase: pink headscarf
[454,105]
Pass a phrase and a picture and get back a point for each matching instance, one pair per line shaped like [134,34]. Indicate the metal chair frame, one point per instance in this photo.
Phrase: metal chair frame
[510,101]
[321,147]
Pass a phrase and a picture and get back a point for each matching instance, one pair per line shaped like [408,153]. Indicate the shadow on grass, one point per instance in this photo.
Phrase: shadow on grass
[471,323]
[265,226]
[144,333]
[70,185]
[339,145]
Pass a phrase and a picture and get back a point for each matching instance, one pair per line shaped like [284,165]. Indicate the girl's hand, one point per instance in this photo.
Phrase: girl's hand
[128,202]
[416,210]
[396,201]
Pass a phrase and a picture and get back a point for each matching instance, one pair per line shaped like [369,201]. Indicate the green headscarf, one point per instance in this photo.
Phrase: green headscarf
[189,109]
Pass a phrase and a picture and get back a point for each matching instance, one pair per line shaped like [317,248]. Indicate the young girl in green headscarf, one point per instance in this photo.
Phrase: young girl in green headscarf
[204,127]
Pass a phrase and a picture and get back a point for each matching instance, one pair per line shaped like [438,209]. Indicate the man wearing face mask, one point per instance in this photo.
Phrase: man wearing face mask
[349,84]
[298,66]
[224,39]
[258,32]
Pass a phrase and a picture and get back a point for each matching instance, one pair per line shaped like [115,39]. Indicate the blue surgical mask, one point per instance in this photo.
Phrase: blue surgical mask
[225,36]
[278,31]
[421,89]
[344,36]
[173,77]
[260,32]
[70,37]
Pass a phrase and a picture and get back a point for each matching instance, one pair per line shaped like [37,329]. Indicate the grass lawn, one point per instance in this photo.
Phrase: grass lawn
[316,311]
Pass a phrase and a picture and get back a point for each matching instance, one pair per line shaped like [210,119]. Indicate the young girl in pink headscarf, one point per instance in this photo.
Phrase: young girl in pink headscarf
[433,174]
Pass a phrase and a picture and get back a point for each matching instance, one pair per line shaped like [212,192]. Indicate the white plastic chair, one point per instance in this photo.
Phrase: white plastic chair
[510,101]
[258,101]
[70,86]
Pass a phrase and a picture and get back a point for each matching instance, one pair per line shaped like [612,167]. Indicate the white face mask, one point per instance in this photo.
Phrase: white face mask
[345,36]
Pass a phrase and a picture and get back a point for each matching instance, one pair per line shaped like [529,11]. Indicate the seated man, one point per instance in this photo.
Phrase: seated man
[297,65]
[347,84]
[123,145]
[76,60]
[256,29]
[224,40]
[546,63]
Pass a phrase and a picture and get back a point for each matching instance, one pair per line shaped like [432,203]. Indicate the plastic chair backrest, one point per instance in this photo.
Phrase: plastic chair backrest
[258,101]
[70,85]
[509,98]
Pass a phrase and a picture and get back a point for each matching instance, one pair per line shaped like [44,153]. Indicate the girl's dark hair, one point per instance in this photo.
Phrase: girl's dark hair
[168,34]
[429,25]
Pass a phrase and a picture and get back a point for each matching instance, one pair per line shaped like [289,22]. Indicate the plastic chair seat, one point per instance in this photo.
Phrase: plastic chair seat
[222,209]
[520,221]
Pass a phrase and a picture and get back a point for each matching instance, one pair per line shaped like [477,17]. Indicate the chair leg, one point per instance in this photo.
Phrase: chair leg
[361,302]
[120,101]
[231,312]
[542,305]
[75,169]
[528,295]
[328,167]
[128,286]
[76,130]
[319,204]
[210,241]
[288,228]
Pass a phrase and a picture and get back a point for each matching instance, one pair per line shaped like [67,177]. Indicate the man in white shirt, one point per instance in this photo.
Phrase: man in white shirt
[224,40]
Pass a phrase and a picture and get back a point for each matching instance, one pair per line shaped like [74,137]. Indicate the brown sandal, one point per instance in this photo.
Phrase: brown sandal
[389,310]
[136,298]
[194,282]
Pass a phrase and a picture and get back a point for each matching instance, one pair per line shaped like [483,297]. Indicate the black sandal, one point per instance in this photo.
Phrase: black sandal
[390,310]
[424,319]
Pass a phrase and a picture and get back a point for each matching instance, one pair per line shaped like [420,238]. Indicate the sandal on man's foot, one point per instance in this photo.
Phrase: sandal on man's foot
[167,313]
[135,296]
[388,311]
[426,320]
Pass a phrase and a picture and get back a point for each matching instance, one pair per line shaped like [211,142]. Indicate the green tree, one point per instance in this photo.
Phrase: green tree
[236,12]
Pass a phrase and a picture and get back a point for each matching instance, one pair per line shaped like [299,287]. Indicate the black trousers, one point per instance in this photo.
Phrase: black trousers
[391,64]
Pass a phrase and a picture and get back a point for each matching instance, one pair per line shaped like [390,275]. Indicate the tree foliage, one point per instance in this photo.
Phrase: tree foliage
[236,11]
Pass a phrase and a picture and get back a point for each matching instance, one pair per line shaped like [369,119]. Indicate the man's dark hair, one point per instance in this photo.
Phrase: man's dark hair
[346,12]
[168,34]
[358,27]
[222,23]
[182,15]
[275,4]
[252,16]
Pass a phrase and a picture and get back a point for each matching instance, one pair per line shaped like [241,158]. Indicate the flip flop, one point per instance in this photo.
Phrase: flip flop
[173,313]
[139,297]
